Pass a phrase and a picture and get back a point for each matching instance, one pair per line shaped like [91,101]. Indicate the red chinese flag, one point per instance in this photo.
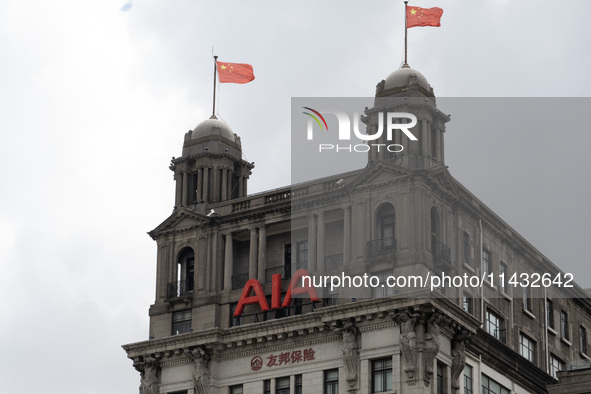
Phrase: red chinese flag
[234,72]
[417,16]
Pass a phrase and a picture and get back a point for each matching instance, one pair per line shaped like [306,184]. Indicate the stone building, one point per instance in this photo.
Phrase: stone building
[401,215]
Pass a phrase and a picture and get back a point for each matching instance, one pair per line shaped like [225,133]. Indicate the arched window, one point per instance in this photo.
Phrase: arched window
[186,272]
[386,219]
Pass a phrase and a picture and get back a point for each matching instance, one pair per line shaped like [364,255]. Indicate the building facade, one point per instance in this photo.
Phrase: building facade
[232,314]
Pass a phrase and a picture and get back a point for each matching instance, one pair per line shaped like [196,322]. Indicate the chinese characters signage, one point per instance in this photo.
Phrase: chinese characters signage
[274,360]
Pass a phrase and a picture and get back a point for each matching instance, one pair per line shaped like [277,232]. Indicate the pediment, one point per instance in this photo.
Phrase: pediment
[379,173]
[443,181]
[182,219]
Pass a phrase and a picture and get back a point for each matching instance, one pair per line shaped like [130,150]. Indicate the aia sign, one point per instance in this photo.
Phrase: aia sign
[260,298]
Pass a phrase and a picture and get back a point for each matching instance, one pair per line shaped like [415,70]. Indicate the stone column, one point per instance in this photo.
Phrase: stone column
[424,136]
[438,144]
[240,186]
[311,244]
[172,264]
[347,236]
[215,196]
[200,184]
[206,184]
[252,256]
[245,180]
[179,189]
[224,184]
[185,192]
[228,262]
[441,147]
[320,251]
[262,253]
[162,284]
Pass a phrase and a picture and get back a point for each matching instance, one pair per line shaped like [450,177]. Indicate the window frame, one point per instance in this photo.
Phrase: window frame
[499,325]
[564,334]
[468,380]
[583,340]
[550,313]
[527,300]
[330,384]
[486,262]
[488,380]
[236,387]
[281,390]
[556,365]
[298,384]
[182,323]
[467,248]
[382,373]
[503,272]
[468,303]
[527,348]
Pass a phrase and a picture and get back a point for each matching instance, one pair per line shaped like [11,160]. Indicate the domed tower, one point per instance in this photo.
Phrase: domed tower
[211,168]
[407,90]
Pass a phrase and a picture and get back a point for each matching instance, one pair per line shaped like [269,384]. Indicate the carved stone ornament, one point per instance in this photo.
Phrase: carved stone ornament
[350,349]
[408,341]
[458,357]
[431,345]
[200,359]
[149,380]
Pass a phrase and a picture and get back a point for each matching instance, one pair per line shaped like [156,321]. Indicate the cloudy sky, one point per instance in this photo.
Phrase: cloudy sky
[96,95]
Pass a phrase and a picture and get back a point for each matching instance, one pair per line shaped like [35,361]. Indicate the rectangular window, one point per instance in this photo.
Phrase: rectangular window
[287,255]
[302,255]
[503,276]
[468,385]
[583,339]
[331,381]
[332,297]
[298,384]
[495,325]
[234,321]
[527,348]
[382,290]
[267,386]
[467,248]
[381,375]
[486,262]
[490,386]
[181,322]
[441,378]
[527,299]
[550,313]
[468,303]
[556,365]
[282,385]
[236,389]
[564,325]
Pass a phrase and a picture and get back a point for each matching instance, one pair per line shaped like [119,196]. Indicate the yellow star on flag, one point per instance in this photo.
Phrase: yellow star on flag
[223,67]
[413,11]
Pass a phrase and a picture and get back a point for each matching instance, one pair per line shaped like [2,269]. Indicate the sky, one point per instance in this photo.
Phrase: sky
[96,95]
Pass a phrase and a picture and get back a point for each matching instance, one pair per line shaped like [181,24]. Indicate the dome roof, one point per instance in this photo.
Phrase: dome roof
[213,126]
[406,76]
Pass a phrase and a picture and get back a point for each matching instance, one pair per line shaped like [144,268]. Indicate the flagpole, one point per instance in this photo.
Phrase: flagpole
[405,33]
[215,70]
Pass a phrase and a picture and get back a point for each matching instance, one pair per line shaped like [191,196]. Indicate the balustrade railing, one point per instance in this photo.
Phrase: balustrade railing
[333,262]
[238,281]
[179,288]
[382,246]
[284,270]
